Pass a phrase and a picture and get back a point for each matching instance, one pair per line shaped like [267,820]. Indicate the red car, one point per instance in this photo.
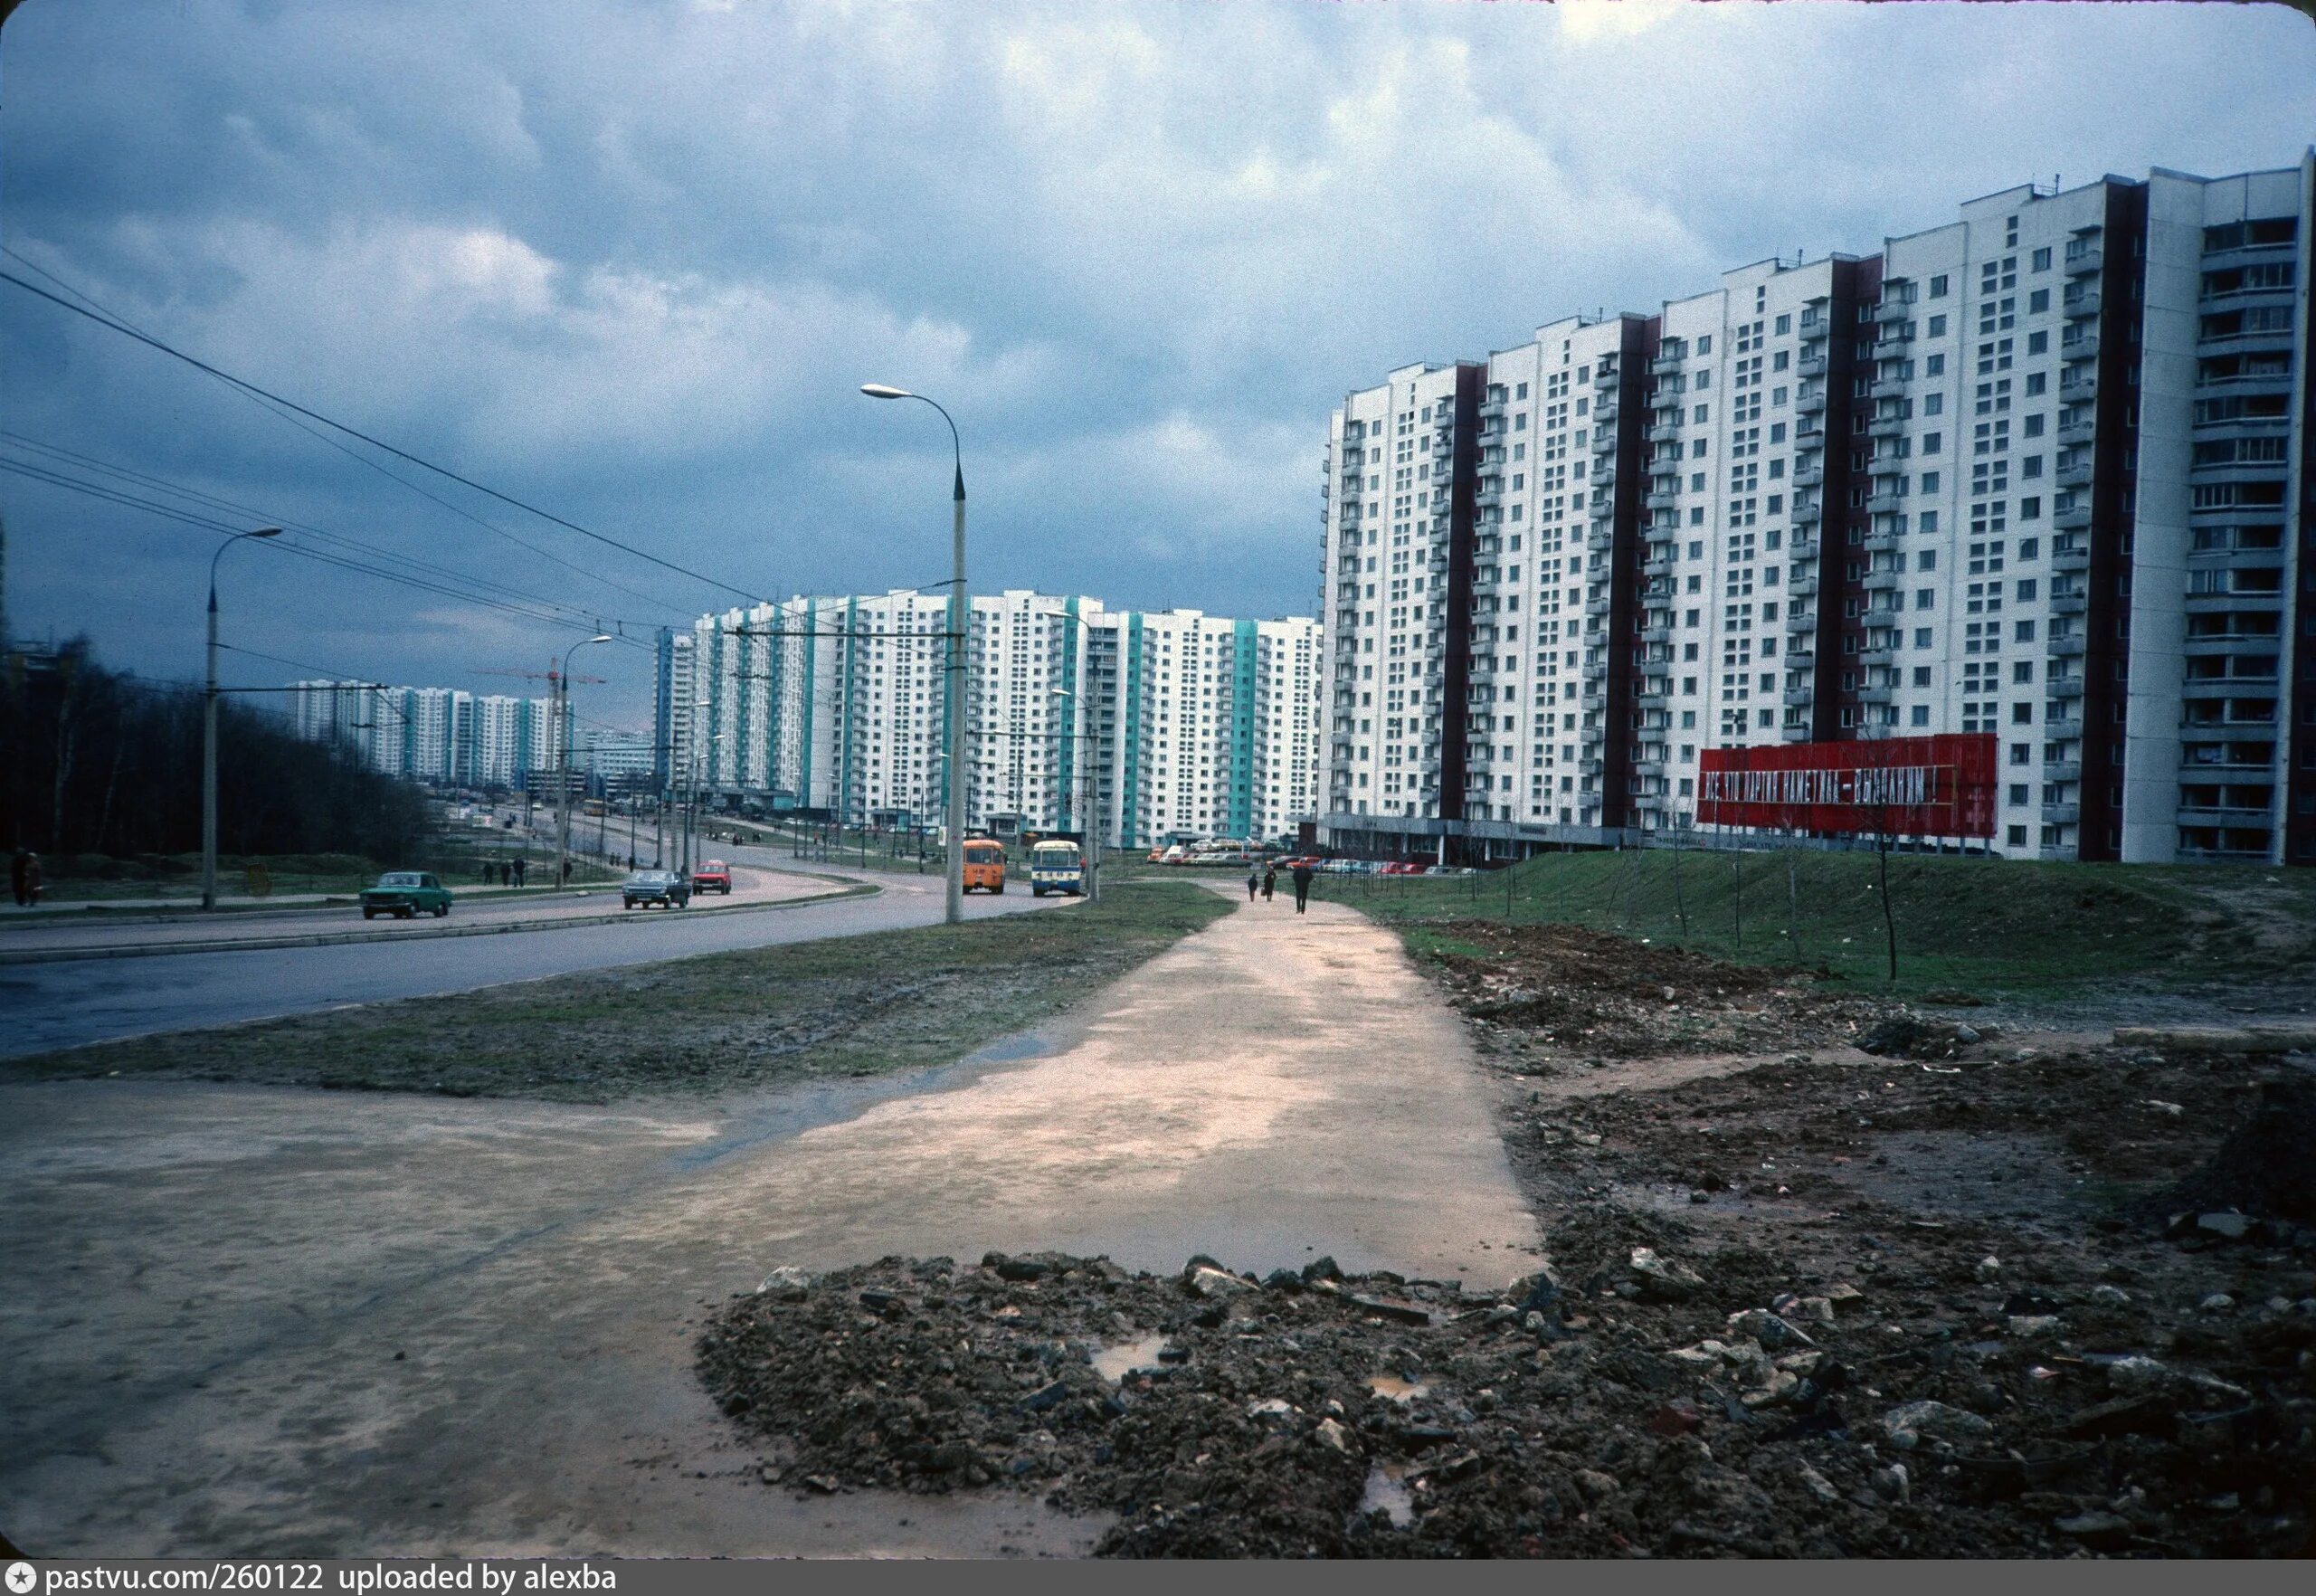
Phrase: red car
[713,876]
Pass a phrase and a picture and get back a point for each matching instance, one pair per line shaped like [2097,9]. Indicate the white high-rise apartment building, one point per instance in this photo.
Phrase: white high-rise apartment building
[1145,723]
[2041,476]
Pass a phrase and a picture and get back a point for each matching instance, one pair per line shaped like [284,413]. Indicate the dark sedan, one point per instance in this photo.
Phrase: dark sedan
[664,888]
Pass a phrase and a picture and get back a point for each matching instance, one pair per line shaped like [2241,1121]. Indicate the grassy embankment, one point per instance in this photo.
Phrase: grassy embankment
[95,879]
[845,1006]
[1986,927]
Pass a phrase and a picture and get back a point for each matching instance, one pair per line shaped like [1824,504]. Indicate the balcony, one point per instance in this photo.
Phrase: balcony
[1658,633]
[1884,502]
[1604,435]
[2075,432]
[1798,697]
[2082,301]
[1810,403]
[1667,364]
[1881,542]
[2069,603]
[1597,606]
[2062,814]
[1664,431]
[2078,384]
[2073,473]
[1810,368]
[2062,770]
[1605,380]
[1663,499]
[2084,346]
[2085,260]
[1800,620]
[1887,426]
[1493,406]
[1810,475]
[1875,693]
[1803,589]
[1891,311]
[1894,339]
[2074,517]
[2065,686]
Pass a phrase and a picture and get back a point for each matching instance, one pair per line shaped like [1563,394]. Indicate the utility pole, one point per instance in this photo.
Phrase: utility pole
[209,726]
[562,683]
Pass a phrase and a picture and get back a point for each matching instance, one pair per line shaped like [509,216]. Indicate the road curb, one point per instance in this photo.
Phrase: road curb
[143,950]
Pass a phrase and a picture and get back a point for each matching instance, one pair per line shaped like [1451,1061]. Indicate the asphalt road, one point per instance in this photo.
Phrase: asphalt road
[43,1007]
[59,932]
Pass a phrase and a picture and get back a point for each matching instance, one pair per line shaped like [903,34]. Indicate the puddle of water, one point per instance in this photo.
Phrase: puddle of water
[1397,1389]
[1116,1363]
[791,1111]
[1387,1490]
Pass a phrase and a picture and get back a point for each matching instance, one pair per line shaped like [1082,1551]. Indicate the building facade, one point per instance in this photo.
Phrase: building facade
[1079,717]
[2042,474]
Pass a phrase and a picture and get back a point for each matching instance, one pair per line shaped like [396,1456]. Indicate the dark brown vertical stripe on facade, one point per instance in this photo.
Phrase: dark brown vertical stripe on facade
[1456,676]
[2106,619]
[1852,283]
[2299,735]
[1621,671]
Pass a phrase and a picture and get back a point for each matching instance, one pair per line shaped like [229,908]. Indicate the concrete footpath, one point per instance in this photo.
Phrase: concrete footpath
[276,1322]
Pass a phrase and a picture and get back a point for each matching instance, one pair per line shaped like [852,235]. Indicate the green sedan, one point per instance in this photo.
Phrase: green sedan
[405,894]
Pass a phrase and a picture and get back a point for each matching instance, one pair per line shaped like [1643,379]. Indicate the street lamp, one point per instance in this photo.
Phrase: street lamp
[209,729]
[563,735]
[959,614]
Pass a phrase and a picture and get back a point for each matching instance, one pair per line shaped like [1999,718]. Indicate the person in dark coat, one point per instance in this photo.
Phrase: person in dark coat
[20,877]
[1270,880]
[1302,875]
[1254,881]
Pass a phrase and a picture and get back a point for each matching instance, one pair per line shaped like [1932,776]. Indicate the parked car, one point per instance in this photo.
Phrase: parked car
[645,887]
[713,876]
[405,894]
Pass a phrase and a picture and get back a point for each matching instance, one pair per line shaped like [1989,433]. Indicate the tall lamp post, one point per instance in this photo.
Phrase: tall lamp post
[959,615]
[563,772]
[209,729]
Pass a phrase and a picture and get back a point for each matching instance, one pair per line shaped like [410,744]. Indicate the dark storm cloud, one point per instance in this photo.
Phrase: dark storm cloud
[629,261]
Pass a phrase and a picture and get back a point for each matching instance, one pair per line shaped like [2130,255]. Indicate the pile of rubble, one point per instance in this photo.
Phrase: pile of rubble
[1644,1396]
[1559,992]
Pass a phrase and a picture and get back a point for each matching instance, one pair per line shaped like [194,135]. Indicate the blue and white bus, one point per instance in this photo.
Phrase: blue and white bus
[1056,867]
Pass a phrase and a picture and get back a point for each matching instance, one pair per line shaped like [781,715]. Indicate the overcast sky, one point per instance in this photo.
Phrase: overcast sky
[630,261]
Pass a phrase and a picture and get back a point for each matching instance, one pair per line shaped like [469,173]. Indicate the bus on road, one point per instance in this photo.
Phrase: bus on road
[1056,867]
[984,865]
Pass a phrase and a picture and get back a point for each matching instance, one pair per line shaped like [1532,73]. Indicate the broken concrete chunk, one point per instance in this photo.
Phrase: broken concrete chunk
[1664,1279]
[1210,1283]
[1768,1328]
[1909,1423]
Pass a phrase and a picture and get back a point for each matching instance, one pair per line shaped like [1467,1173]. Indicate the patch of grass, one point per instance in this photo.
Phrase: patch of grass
[841,1006]
[97,879]
[1990,927]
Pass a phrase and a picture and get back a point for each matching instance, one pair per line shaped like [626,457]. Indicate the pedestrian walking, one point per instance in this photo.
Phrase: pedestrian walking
[1271,881]
[20,877]
[1303,874]
[31,880]
[1254,881]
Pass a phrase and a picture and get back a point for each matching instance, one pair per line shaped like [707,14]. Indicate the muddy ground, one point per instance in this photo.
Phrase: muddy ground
[1949,1298]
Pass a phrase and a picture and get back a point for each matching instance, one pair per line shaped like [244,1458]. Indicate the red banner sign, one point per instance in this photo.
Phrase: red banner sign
[1941,786]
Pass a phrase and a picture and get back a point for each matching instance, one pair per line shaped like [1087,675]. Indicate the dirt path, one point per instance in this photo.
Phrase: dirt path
[265,1321]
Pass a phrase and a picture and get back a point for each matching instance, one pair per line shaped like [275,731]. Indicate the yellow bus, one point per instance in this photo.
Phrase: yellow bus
[984,865]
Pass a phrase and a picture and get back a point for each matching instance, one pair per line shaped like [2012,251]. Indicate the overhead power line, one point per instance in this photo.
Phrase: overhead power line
[329,557]
[125,330]
[56,457]
[319,436]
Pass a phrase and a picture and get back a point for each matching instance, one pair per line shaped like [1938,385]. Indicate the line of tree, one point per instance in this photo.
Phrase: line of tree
[93,761]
